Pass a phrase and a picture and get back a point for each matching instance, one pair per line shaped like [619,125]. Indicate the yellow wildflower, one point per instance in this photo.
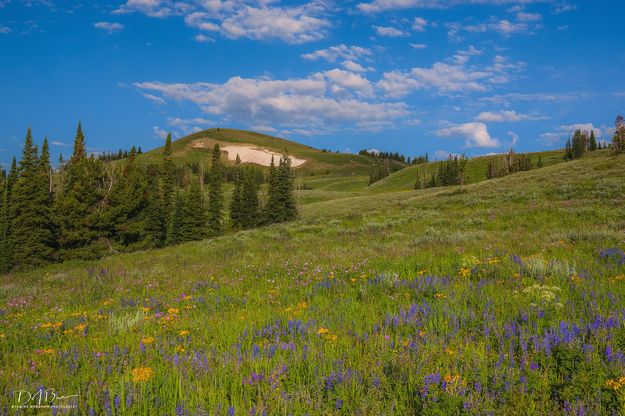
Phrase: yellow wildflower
[517,275]
[45,351]
[80,327]
[145,309]
[52,325]
[184,332]
[464,272]
[142,374]
[451,378]
[147,340]
[322,331]
[422,333]
[494,260]
[179,348]
[440,296]
[172,311]
[331,337]
[449,351]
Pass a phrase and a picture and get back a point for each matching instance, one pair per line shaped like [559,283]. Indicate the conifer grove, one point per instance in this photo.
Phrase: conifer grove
[88,206]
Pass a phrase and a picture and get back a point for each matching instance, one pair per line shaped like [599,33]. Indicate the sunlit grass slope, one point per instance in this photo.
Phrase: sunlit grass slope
[328,163]
[405,179]
[504,298]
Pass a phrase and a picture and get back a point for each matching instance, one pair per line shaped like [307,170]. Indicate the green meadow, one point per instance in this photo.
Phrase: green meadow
[504,296]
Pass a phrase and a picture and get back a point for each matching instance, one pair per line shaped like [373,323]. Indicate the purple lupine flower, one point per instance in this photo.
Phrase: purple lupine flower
[477,386]
[339,404]
[128,398]
[91,411]
[230,411]
[117,401]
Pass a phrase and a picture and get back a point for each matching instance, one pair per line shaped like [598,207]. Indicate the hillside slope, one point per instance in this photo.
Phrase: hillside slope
[196,148]
[404,303]
[404,180]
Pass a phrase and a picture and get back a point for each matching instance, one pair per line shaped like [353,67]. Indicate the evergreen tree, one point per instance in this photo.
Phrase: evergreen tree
[249,200]
[6,242]
[80,150]
[156,225]
[78,202]
[179,233]
[215,195]
[285,181]
[592,142]
[273,210]
[579,144]
[539,164]
[618,141]
[30,214]
[168,187]
[196,217]
[568,153]
[236,201]
[129,201]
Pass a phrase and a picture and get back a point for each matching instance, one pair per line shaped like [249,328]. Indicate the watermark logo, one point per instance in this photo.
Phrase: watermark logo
[43,399]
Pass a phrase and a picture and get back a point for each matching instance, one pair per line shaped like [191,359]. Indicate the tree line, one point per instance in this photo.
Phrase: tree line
[88,207]
[395,156]
[509,163]
[448,172]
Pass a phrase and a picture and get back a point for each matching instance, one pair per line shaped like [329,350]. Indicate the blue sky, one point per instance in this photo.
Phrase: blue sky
[414,76]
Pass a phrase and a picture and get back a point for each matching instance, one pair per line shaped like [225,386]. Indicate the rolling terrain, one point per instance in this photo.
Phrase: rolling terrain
[504,297]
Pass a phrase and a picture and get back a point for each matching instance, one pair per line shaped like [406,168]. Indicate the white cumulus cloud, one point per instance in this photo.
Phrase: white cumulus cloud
[475,134]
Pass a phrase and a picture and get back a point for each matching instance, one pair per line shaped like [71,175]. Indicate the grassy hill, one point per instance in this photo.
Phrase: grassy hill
[404,180]
[318,162]
[504,298]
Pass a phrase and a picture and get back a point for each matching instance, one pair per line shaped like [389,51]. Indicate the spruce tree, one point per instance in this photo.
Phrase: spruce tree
[156,226]
[196,215]
[249,200]
[6,242]
[168,186]
[3,223]
[286,208]
[592,142]
[618,141]
[236,201]
[273,210]
[30,213]
[78,203]
[126,214]
[568,155]
[539,164]
[215,195]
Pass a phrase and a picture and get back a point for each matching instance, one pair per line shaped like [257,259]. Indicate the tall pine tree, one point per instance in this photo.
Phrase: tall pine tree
[78,202]
[236,201]
[168,187]
[215,194]
[126,216]
[249,216]
[30,211]
[6,242]
[285,189]
[272,210]
[156,224]
[196,220]
[592,142]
